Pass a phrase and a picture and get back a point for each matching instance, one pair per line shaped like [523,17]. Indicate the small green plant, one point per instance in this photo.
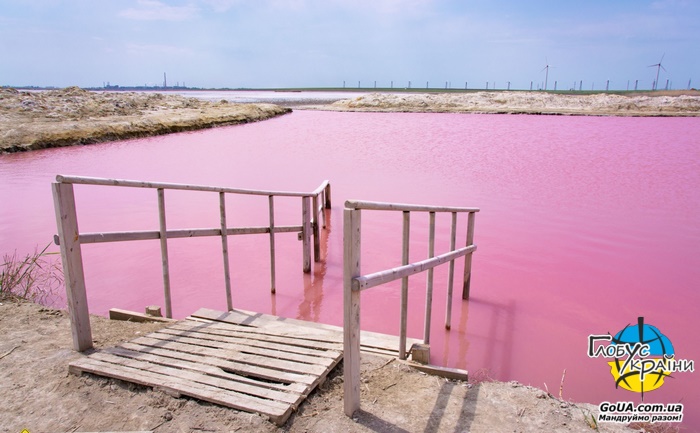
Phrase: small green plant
[36,277]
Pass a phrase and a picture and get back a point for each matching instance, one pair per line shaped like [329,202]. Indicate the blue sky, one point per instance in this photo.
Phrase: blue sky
[297,43]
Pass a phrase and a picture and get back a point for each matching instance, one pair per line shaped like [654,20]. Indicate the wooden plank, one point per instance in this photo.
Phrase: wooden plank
[273,325]
[435,370]
[277,412]
[451,273]
[429,282]
[468,257]
[375,279]
[271,204]
[179,186]
[375,205]
[268,374]
[231,354]
[144,235]
[190,372]
[164,253]
[404,284]
[132,316]
[351,311]
[316,229]
[224,249]
[71,256]
[306,233]
[229,333]
[286,351]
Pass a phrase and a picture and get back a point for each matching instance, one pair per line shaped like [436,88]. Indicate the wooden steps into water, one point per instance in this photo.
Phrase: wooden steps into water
[243,360]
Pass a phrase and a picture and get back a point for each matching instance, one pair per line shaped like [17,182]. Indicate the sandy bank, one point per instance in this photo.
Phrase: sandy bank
[517,102]
[38,393]
[72,116]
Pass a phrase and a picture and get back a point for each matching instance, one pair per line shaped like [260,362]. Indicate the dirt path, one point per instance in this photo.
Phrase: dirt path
[38,394]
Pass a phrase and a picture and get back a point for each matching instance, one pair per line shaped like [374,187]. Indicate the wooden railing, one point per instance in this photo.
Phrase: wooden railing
[354,282]
[70,239]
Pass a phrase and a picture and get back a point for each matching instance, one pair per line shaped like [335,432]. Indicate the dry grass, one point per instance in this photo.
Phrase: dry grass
[36,277]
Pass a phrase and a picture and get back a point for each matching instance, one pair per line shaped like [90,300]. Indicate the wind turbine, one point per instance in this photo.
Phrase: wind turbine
[546,74]
[659,66]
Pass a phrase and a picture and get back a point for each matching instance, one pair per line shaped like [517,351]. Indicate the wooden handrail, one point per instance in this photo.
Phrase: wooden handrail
[376,205]
[354,282]
[70,239]
[181,186]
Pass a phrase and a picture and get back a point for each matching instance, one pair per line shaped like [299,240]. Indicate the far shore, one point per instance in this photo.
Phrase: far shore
[31,120]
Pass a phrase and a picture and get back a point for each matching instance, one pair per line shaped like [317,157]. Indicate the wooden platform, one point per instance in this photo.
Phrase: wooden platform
[247,361]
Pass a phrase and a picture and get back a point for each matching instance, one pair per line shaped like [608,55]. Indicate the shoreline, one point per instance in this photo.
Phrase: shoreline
[32,120]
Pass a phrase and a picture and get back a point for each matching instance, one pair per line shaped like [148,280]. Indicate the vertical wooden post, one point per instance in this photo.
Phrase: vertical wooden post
[271,200]
[224,249]
[316,229]
[71,256]
[351,311]
[306,233]
[429,282]
[468,257]
[164,253]
[328,196]
[451,272]
[323,207]
[404,285]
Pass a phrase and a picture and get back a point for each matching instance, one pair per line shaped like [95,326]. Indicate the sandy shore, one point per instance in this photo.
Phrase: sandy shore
[72,116]
[40,395]
[674,103]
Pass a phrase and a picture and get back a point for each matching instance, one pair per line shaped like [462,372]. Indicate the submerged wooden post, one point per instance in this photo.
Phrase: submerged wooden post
[351,311]
[316,229]
[71,256]
[306,232]
[271,200]
[451,272]
[164,253]
[404,284]
[429,283]
[468,257]
[224,249]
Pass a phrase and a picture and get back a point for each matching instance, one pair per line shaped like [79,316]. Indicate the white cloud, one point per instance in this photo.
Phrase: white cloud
[154,10]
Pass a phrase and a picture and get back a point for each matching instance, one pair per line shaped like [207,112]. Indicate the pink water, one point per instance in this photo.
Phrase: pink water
[586,224]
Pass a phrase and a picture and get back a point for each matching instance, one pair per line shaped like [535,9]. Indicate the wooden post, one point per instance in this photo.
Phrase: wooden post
[451,272]
[468,257]
[306,232]
[328,196]
[316,229]
[271,200]
[429,282]
[71,256]
[351,311]
[224,250]
[164,253]
[404,284]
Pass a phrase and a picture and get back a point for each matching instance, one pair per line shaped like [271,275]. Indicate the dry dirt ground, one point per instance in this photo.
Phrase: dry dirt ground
[672,103]
[38,393]
[72,116]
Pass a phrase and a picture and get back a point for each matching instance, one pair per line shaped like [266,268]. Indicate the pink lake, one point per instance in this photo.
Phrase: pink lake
[586,223]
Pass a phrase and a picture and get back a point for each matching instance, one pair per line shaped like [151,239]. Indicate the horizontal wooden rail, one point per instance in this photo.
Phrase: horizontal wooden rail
[70,239]
[374,205]
[179,186]
[354,282]
[96,238]
[378,278]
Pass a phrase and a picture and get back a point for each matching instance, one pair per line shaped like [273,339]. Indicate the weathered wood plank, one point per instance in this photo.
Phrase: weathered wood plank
[283,344]
[191,371]
[351,310]
[132,316]
[375,205]
[277,412]
[284,350]
[247,370]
